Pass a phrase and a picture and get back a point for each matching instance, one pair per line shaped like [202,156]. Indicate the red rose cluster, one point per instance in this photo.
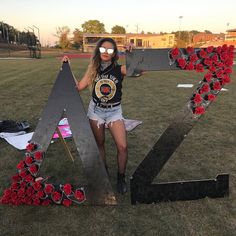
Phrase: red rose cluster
[29,190]
[218,61]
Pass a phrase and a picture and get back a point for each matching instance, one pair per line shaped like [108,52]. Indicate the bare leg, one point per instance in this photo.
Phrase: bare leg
[118,132]
[99,134]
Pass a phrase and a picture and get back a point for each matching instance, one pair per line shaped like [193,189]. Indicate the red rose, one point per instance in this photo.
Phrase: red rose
[219,64]
[30,191]
[30,147]
[49,188]
[37,185]
[66,202]
[38,156]
[208,77]
[194,57]
[199,110]
[33,169]
[218,49]
[189,66]
[229,62]
[219,74]
[14,196]
[224,47]
[20,165]
[190,50]
[224,56]
[226,79]
[16,178]
[7,192]
[23,173]
[202,53]
[46,202]
[205,88]
[29,178]
[67,189]
[197,98]
[28,160]
[56,196]
[36,202]
[15,186]
[231,48]
[79,195]
[21,193]
[210,49]
[23,184]
[40,194]
[199,68]
[211,97]
[228,70]
[215,58]
[208,61]
[216,85]
[181,62]
[212,68]
[174,53]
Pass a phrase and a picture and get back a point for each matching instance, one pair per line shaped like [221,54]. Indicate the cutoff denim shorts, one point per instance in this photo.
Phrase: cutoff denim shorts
[104,115]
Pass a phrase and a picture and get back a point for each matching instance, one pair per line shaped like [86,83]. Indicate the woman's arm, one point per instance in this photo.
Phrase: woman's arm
[83,83]
[123,69]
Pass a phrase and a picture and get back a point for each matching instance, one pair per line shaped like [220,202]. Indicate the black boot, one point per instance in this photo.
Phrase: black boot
[121,184]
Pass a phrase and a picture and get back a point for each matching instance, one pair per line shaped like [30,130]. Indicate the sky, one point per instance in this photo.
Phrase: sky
[134,15]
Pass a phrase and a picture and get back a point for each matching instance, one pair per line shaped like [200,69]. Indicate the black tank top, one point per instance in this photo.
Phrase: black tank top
[108,85]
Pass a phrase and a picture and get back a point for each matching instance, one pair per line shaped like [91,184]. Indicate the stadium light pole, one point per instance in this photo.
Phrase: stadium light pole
[38,32]
[180,17]
[31,29]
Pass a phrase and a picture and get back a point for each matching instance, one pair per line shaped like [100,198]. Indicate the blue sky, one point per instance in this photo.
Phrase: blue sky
[150,15]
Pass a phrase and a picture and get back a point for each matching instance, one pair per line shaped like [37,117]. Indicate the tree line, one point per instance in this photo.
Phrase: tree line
[9,34]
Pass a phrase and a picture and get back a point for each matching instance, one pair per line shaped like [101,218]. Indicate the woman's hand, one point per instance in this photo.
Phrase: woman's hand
[129,47]
[65,59]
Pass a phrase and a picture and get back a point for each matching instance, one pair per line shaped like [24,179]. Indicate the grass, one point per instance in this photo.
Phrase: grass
[153,98]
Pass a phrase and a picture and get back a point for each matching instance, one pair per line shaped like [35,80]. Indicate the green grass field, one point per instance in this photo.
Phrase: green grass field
[153,98]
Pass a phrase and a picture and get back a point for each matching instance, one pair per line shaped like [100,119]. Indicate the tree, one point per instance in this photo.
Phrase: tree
[207,31]
[77,38]
[194,32]
[93,27]
[62,33]
[117,29]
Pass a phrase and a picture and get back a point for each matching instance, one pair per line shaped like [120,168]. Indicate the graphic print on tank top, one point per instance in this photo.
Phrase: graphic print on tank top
[108,85]
[105,87]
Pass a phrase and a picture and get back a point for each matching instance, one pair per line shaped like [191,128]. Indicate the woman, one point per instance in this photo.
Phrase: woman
[105,76]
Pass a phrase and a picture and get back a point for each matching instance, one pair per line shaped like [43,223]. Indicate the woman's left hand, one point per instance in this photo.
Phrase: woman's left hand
[129,47]
[65,59]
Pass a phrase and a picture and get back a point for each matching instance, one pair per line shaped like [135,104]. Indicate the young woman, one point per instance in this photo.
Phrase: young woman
[105,76]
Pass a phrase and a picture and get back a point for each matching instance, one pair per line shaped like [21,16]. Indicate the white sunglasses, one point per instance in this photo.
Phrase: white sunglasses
[108,50]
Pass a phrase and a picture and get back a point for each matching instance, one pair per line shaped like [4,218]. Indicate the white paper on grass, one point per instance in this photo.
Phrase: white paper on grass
[20,141]
[184,85]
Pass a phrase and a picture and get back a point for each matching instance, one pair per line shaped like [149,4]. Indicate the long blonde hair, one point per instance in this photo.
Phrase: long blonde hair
[95,61]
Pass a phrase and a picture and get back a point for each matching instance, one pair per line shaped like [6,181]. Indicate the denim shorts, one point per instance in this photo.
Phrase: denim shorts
[104,115]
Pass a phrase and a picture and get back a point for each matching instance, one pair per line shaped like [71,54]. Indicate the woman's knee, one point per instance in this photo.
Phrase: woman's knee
[122,148]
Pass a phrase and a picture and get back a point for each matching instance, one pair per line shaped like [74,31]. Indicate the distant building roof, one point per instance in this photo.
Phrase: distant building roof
[231,30]
[104,35]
